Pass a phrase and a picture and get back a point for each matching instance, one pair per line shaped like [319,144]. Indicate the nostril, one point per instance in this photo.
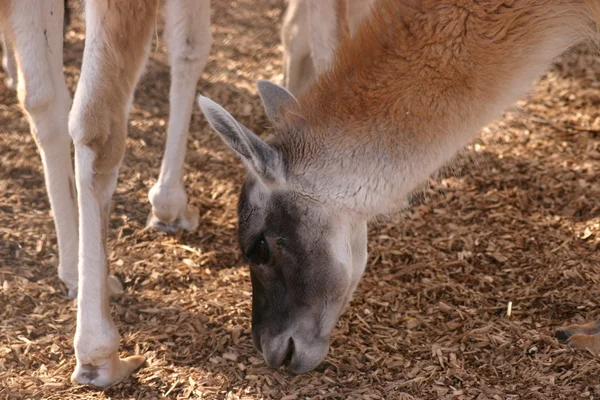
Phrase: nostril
[289,353]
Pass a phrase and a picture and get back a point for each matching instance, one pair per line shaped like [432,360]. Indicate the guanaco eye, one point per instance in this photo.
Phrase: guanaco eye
[259,253]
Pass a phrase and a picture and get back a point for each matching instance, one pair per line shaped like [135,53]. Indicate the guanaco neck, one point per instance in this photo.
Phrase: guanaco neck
[418,81]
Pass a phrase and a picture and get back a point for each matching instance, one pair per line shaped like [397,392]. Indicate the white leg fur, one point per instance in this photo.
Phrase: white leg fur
[298,68]
[9,64]
[309,35]
[189,39]
[44,97]
[112,63]
[96,337]
[322,21]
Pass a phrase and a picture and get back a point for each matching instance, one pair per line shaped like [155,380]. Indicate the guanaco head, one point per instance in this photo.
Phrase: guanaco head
[306,256]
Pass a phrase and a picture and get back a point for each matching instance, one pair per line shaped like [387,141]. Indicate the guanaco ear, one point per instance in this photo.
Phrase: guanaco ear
[260,157]
[274,97]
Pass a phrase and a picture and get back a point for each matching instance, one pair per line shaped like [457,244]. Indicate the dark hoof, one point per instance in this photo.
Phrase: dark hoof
[563,335]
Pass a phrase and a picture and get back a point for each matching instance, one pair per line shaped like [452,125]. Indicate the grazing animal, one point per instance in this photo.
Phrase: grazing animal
[415,84]
[118,40]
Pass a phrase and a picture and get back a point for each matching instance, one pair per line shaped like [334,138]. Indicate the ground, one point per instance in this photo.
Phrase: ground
[515,220]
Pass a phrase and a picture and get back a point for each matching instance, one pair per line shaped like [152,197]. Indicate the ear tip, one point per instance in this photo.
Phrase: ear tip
[205,103]
[263,83]
[202,99]
[271,90]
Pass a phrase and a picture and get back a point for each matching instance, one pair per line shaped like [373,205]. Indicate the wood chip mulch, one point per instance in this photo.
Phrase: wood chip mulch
[514,220]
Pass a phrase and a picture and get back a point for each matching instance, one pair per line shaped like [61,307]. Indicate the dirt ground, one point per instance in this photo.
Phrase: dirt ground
[516,219]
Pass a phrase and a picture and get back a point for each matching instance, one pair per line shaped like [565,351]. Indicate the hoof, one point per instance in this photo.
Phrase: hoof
[563,335]
[187,220]
[106,372]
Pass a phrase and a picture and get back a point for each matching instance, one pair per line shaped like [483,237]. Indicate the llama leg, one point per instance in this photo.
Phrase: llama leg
[298,69]
[46,101]
[188,39]
[8,58]
[329,25]
[581,336]
[9,64]
[118,39]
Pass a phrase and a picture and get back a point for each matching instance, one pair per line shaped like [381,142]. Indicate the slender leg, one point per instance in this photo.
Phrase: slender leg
[582,336]
[118,40]
[9,64]
[46,101]
[188,39]
[298,69]
[311,31]
[328,24]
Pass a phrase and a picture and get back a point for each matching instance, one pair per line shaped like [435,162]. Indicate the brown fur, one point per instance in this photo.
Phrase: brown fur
[589,342]
[416,67]
[5,7]
[343,20]
[590,328]
[594,5]
[417,75]
[127,26]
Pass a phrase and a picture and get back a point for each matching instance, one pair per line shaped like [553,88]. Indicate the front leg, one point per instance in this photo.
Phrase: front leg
[329,26]
[188,39]
[298,69]
[46,101]
[117,42]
